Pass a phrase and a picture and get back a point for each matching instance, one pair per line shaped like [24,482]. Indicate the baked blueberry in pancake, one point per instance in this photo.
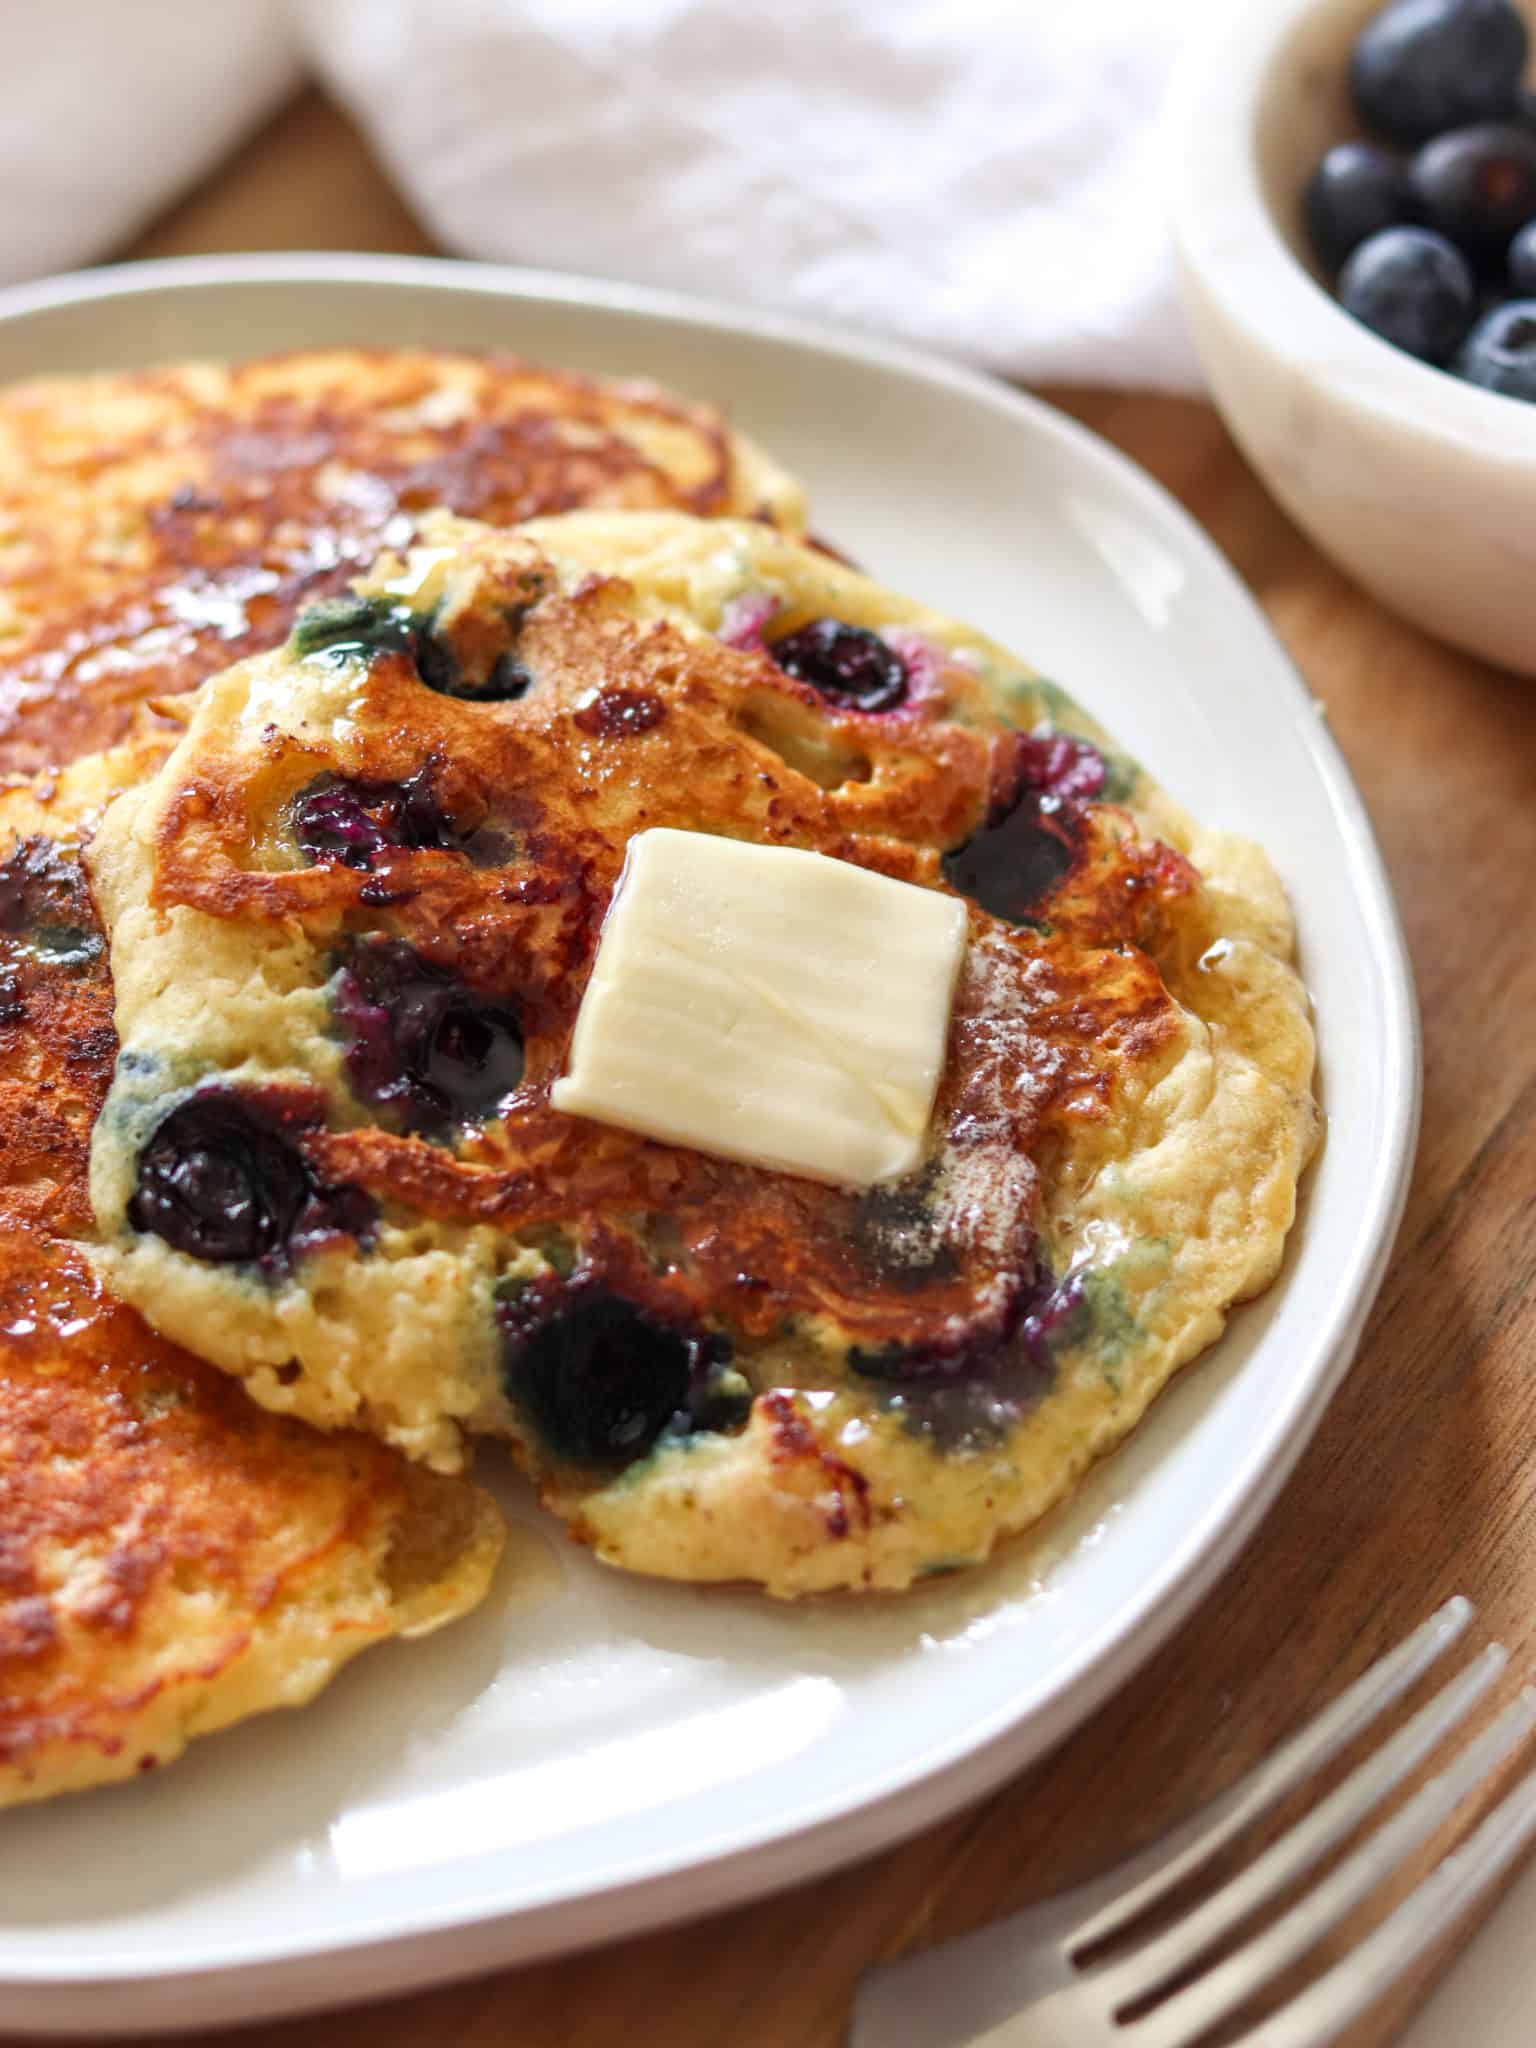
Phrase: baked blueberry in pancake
[156,525]
[172,1559]
[638,988]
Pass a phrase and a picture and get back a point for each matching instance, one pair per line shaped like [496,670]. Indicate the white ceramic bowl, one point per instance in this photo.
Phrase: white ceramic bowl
[1422,487]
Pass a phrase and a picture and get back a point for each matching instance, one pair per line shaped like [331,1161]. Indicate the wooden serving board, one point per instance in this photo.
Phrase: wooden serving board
[1421,1481]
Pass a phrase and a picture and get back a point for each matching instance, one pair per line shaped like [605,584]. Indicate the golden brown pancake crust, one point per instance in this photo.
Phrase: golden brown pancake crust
[685,733]
[171,1558]
[159,524]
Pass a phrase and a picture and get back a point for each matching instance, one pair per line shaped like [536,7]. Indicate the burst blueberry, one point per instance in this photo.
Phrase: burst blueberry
[355,821]
[1032,835]
[854,669]
[504,682]
[601,1379]
[971,1386]
[45,900]
[222,1179]
[441,668]
[422,1045]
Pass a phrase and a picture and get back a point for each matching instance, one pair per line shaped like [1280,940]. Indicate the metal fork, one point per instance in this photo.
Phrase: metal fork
[1019,1983]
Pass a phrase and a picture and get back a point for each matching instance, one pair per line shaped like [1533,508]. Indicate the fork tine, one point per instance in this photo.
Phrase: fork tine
[1190,2012]
[1148,1968]
[1320,2014]
[1145,1879]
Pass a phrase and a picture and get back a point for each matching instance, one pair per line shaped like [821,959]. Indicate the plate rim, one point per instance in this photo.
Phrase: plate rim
[396,1950]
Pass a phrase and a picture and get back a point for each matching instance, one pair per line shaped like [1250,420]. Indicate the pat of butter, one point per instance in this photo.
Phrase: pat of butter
[767,1005]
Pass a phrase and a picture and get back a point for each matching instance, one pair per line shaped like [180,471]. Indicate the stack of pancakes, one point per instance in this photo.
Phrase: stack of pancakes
[385,659]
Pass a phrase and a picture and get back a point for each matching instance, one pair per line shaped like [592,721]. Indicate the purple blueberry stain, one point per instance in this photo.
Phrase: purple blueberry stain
[1058,766]
[45,905]
[618,714]
[344,629]
[896,1236]
[854,669]
[925,662]
[603,1380]
[341,629]
[421,1045]
[975,1384]
[222,1179]
[742,619]
[354,821]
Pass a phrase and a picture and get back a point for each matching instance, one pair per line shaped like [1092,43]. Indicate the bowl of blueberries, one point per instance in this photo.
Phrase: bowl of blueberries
[1354,209]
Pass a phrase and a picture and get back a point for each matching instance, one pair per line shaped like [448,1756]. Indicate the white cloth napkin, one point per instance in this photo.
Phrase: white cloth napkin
[112,107]
[980,176]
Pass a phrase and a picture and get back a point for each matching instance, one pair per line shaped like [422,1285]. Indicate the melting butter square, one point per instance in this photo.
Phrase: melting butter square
[767,1005]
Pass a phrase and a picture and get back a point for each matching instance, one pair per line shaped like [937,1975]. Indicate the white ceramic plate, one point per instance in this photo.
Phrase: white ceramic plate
[596,1755]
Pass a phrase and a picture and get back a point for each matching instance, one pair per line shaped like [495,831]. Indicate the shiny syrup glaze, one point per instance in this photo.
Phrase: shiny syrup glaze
[217,504]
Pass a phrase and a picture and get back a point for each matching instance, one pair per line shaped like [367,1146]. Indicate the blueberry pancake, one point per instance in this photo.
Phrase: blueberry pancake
[635,987]
[156,525]
[171,1558]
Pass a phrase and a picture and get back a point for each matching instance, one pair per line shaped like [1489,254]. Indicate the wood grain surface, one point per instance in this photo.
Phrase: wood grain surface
[1421,1481]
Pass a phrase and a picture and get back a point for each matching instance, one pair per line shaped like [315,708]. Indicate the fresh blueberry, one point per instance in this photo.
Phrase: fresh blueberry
[601,1378]
[1356,191]
[1500,352]
[1413,289]
[1477,187]
[1422,66]
[419,1042]
[353,821]
[852,668]
[1522,262]
[221,1179]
